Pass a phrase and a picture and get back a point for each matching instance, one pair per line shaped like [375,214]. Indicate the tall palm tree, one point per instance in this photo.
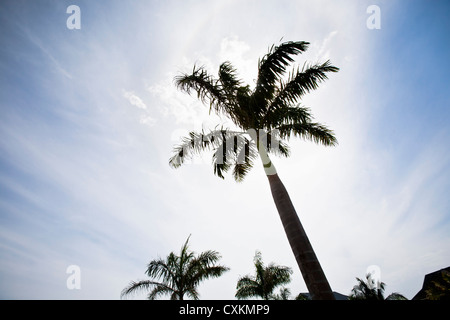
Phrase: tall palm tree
[264,282]
[178,275]
[369,290]
[265,117]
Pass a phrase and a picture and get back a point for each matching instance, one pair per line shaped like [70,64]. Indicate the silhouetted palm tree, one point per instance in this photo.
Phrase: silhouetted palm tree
[264,282]
[369,290]
[178,275]
[285,294]
[265,117]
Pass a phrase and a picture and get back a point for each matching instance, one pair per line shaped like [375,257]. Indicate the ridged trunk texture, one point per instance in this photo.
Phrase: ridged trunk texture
[310,268]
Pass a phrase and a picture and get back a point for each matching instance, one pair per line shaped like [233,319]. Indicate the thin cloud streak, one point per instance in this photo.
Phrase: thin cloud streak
[56,64]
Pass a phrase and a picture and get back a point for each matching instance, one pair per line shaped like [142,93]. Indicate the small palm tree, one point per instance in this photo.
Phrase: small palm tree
[265,117]
[369,290]
[178,275]
[285,294]
[264,282]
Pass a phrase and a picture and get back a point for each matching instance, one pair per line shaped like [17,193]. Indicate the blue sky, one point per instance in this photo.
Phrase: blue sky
[89,118]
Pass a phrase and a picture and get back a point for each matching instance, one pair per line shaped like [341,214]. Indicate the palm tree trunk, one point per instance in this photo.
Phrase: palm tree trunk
[309,265]
[307,261]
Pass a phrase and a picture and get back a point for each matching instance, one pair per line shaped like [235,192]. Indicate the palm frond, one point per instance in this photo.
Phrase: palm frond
[278,116]
[227,146]
[192,293]
[273,65]
[230,149]
[275,145]
[222,157]
[247,287]
[228,78]
[301,82]
[135,287]
[207,272]
[246,153]
[195,143]
[207,88]
[308,131]
[160,290]
[278,274]
[176,295]
[208,258]
[240,170]
[162,269]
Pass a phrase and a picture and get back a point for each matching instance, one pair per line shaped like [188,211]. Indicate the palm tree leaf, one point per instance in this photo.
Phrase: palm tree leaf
[245,154]
[203,273]
[234,150]
[247,287]
[200,82]
[301,82]
[176,295]
[229,148]
[164,269]
[143,285]
[192,293]
[278,274]
[228,78]
[273,65]
[207,88]
[220,158]
[275,145]
[208,258]
[308,131]
[160,290]
[283,295]
[278,116]
[195,143]
[240,170]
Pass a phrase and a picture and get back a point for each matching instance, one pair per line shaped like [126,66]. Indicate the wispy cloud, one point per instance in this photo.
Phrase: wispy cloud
[56,64]
[323,50]
[136,101]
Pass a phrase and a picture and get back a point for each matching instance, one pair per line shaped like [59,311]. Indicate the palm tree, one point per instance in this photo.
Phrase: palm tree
[178,275]
[265,117]
[285,294]
[369,290]
[264,282]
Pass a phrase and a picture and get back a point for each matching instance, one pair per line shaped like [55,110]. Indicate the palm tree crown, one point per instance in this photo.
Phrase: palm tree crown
[178,275]
[268,113]
[264,282]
